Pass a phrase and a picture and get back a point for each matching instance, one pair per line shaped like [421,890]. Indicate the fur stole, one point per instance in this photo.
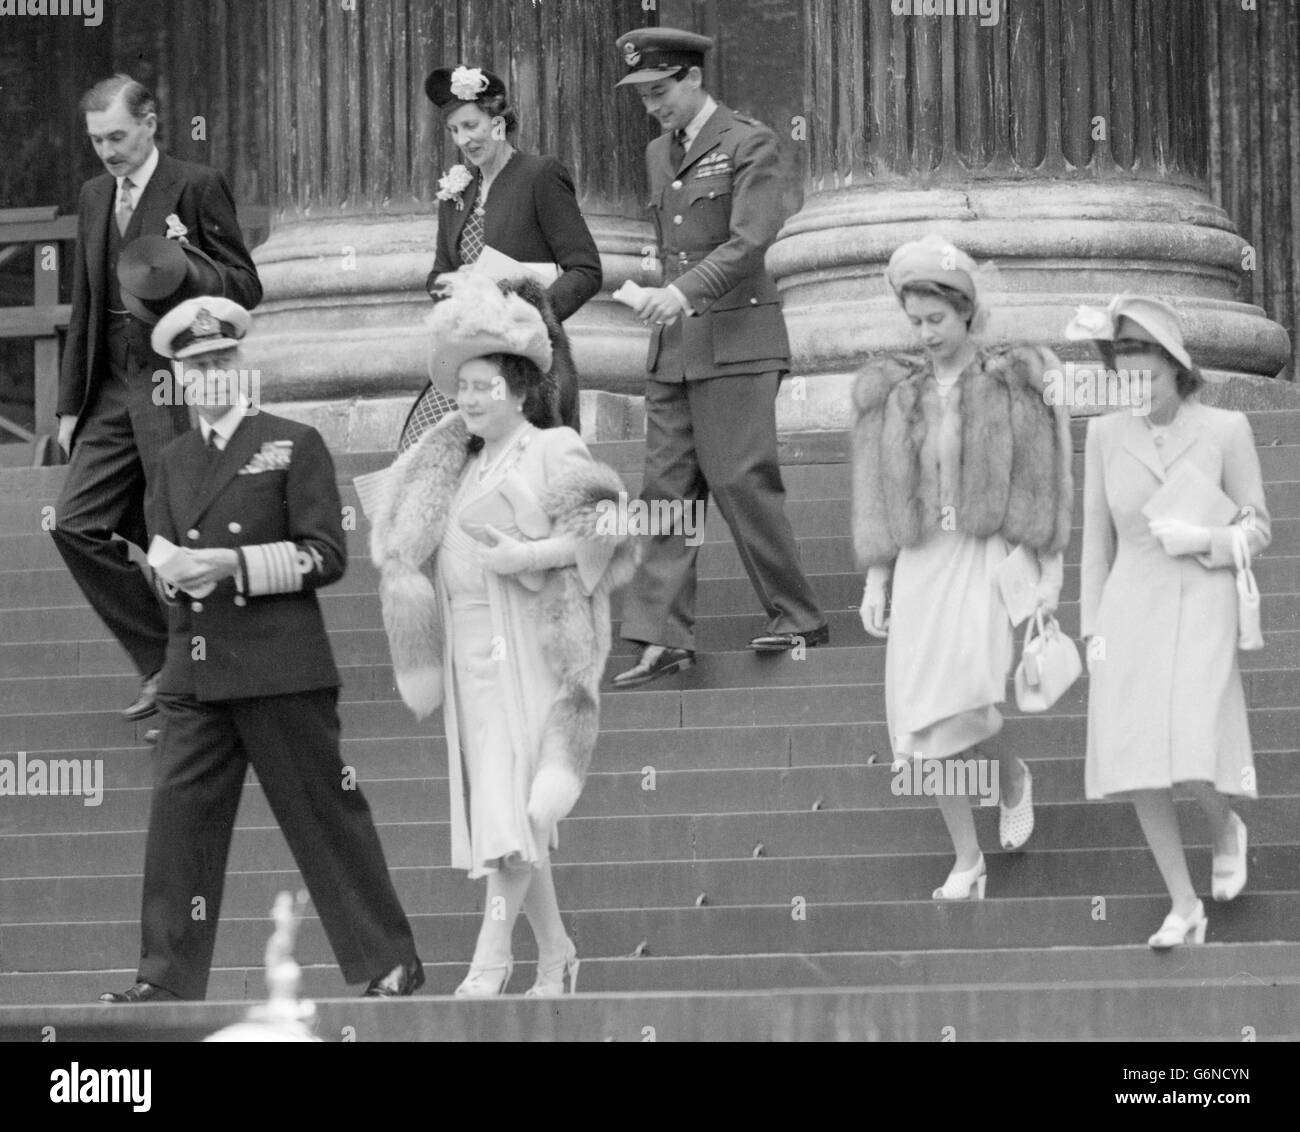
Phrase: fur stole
[573,608]
[1006,470]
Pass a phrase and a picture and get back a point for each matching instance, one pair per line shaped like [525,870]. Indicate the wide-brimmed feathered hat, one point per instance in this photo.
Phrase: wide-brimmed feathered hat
[481,317]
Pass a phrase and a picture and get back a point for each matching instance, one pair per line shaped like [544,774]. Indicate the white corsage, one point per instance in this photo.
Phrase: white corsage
[456,180]
[467,83]
[175,229]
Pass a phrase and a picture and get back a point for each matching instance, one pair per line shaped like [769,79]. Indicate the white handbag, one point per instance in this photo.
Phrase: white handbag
[1049,664]
[1249,637]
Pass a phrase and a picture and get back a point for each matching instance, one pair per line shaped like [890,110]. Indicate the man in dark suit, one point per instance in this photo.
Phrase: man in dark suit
[717,354]
[111,424]
[247,525]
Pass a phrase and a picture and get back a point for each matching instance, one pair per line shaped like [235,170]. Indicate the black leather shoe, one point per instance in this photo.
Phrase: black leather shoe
[401,981]
[654,664]
[783,642]
[146,703]
[141,992]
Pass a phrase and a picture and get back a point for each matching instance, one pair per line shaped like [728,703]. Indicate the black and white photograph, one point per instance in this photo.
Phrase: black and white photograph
[651,521]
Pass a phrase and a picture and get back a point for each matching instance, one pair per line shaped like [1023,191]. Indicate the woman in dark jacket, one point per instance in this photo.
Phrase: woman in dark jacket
[520,204]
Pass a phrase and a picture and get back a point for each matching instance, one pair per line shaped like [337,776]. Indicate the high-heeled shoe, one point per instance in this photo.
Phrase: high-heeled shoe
[1229,871]
[1016,824]
[550,980]
[482,983]
[965,885]
[1176,930]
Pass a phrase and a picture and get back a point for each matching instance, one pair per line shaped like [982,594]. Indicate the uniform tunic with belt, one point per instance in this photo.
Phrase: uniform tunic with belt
[713,376]
[1166,703]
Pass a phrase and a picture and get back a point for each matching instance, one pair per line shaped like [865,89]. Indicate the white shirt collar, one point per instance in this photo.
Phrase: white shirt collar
[697,123]
[141,176]
[225,426]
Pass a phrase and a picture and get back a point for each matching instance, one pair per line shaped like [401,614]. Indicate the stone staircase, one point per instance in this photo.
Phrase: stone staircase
[738,865]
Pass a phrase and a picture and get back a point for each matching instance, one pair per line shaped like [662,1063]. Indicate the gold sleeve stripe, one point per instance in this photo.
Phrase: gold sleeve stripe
[273,568]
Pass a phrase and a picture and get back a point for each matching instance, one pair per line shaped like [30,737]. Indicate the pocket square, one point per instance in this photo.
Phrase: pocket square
[273,456]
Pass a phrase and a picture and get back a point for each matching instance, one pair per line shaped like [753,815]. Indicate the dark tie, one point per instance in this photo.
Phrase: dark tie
[677,148]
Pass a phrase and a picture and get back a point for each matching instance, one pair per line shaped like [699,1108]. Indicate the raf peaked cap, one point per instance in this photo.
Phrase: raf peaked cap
[200,326]
[652,54]
[155,273]
[452,86]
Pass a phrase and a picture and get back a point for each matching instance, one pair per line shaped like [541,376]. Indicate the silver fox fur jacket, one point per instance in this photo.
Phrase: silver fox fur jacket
[407,529]
[1013,475]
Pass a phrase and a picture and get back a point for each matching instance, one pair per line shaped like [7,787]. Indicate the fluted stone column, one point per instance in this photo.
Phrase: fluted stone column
[1066,143]
[357,150]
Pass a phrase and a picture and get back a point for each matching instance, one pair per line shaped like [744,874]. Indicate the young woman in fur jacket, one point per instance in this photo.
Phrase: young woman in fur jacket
[497,557]
[957,459]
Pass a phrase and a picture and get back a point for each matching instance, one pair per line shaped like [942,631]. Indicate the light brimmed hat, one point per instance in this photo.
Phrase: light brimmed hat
[200,326]
[477,319]
[933,259]
[1161,322]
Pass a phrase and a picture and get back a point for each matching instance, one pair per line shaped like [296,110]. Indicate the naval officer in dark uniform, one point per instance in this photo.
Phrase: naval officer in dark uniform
[251,500]
[717,354]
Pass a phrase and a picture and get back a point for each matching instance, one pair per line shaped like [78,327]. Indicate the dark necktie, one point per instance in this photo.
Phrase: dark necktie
[677,148]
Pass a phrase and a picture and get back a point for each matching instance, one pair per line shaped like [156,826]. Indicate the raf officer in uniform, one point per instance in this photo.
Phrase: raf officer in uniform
[717,354]
[251,501]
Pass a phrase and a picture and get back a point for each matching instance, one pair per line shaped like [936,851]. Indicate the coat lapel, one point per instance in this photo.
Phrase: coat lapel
[157,201]
[1139,443]
[186,481]
[236,454]
[708,137]
[97,221]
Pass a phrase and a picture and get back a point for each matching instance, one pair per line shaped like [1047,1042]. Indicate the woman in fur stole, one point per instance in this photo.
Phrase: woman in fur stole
[497,557]
[1158,602]
[957,459]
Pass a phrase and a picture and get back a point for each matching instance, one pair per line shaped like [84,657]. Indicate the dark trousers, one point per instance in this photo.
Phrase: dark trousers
[716,438]
[292,742]
[113,455]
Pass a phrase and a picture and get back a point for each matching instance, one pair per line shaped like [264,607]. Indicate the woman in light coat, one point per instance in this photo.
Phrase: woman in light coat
[510,636]
[957,459]
[1159,605]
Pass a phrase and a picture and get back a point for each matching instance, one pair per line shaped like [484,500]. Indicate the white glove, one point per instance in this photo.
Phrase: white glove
[872,609]
[1179,538]
[1051,575]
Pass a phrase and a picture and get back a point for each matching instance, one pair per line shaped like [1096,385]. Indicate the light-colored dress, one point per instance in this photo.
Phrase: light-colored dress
[1165,701]
[500,687]
[950,642]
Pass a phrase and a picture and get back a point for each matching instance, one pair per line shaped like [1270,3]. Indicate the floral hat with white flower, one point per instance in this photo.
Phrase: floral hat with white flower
[452,86]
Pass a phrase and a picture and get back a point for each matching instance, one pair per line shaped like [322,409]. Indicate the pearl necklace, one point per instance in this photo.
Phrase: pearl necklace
[515,445]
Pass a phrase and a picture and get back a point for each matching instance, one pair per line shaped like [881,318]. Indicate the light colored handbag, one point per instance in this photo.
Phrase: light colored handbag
[1249,637]
[1049,664]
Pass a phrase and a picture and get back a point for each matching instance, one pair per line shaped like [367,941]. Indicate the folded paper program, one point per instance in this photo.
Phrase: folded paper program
[171,562]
